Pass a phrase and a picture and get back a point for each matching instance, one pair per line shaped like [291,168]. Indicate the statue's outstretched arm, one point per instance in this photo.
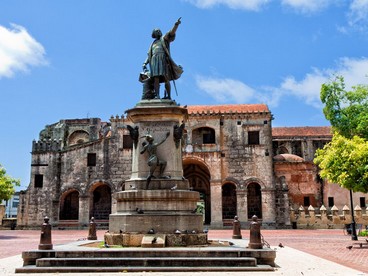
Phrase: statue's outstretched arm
[144,149]
[176,25]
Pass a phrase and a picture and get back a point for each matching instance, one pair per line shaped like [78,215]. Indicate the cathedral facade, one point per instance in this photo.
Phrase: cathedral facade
[232,156]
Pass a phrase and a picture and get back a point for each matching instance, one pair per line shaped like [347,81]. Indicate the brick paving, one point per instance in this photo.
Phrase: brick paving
[327,244]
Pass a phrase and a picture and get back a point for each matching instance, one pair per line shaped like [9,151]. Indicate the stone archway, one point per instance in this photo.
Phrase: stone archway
[100,201]
[78,137]
[199,179]
[229,204]
[69,205]
[254,200]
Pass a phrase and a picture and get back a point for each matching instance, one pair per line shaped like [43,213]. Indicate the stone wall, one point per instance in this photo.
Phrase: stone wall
[300,179]
[234,158]
[323,218]
[57,171]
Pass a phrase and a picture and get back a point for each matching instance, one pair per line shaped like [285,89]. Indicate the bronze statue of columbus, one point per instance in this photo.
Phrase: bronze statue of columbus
[162,68]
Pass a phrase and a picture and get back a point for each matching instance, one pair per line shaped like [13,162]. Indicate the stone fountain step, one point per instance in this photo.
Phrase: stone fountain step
[150,262]
[264,256]
[120,269]
[79,258]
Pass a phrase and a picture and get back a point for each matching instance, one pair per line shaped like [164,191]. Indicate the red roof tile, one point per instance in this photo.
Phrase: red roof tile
[301,131]
[228,108]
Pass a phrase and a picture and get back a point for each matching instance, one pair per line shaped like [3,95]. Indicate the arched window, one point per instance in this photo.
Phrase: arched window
[228,201]
[254,198]
[101,202]
[69,206]
[204,135]
[199,180]
[78,137]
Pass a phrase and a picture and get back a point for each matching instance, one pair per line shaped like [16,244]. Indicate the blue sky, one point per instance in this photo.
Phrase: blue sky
[66,59]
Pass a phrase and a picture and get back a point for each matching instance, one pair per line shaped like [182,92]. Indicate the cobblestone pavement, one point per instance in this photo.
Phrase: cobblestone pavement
[328,244]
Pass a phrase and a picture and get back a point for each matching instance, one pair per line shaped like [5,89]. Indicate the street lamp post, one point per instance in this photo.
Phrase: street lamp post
[354,236]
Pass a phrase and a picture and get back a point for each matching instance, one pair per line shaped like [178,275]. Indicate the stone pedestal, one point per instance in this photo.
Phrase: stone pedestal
[157,117]
[165,203]
[165,211]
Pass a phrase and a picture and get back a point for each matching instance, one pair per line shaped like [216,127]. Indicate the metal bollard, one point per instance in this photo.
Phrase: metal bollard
[92,230]
[45,239]
[255,241]
[236,228]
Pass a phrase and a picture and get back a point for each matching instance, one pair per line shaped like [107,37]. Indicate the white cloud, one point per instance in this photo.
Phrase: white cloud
[227,90]
[358,14]
[355,71]
[306,6]
[18,51]
[307,89]
[253,5]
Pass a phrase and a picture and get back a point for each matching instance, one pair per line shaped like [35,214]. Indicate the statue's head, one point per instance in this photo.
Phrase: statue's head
[149,138]
[156,33]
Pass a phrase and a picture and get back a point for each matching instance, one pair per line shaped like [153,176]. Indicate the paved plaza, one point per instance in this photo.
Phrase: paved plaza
[305,252]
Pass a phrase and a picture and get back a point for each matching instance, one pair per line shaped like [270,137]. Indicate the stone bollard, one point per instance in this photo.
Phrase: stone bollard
[45,239]
[236,228]
[255,241]
[92,230]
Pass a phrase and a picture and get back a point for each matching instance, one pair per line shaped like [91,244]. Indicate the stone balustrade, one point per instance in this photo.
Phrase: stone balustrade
[322,218]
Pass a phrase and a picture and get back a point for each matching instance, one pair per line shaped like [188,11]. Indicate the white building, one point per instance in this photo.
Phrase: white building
[11,206]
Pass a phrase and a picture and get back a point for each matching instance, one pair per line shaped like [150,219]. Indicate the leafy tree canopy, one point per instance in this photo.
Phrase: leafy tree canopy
[7,185]
[345,161]
[347,111]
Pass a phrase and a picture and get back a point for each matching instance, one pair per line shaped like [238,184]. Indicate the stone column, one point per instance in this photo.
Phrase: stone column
[268,206]
[55,210]
[216,204]
[241,202]
[286,209]
[84,209]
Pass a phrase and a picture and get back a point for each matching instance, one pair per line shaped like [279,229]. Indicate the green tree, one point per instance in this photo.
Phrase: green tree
[345,159]
[347,111]
[7,185]
[345,162]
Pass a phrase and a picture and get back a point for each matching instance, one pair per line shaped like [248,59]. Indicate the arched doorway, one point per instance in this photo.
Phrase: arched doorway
[100,201]
[228,201]
[69,206]
[199,179]
[254,199]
